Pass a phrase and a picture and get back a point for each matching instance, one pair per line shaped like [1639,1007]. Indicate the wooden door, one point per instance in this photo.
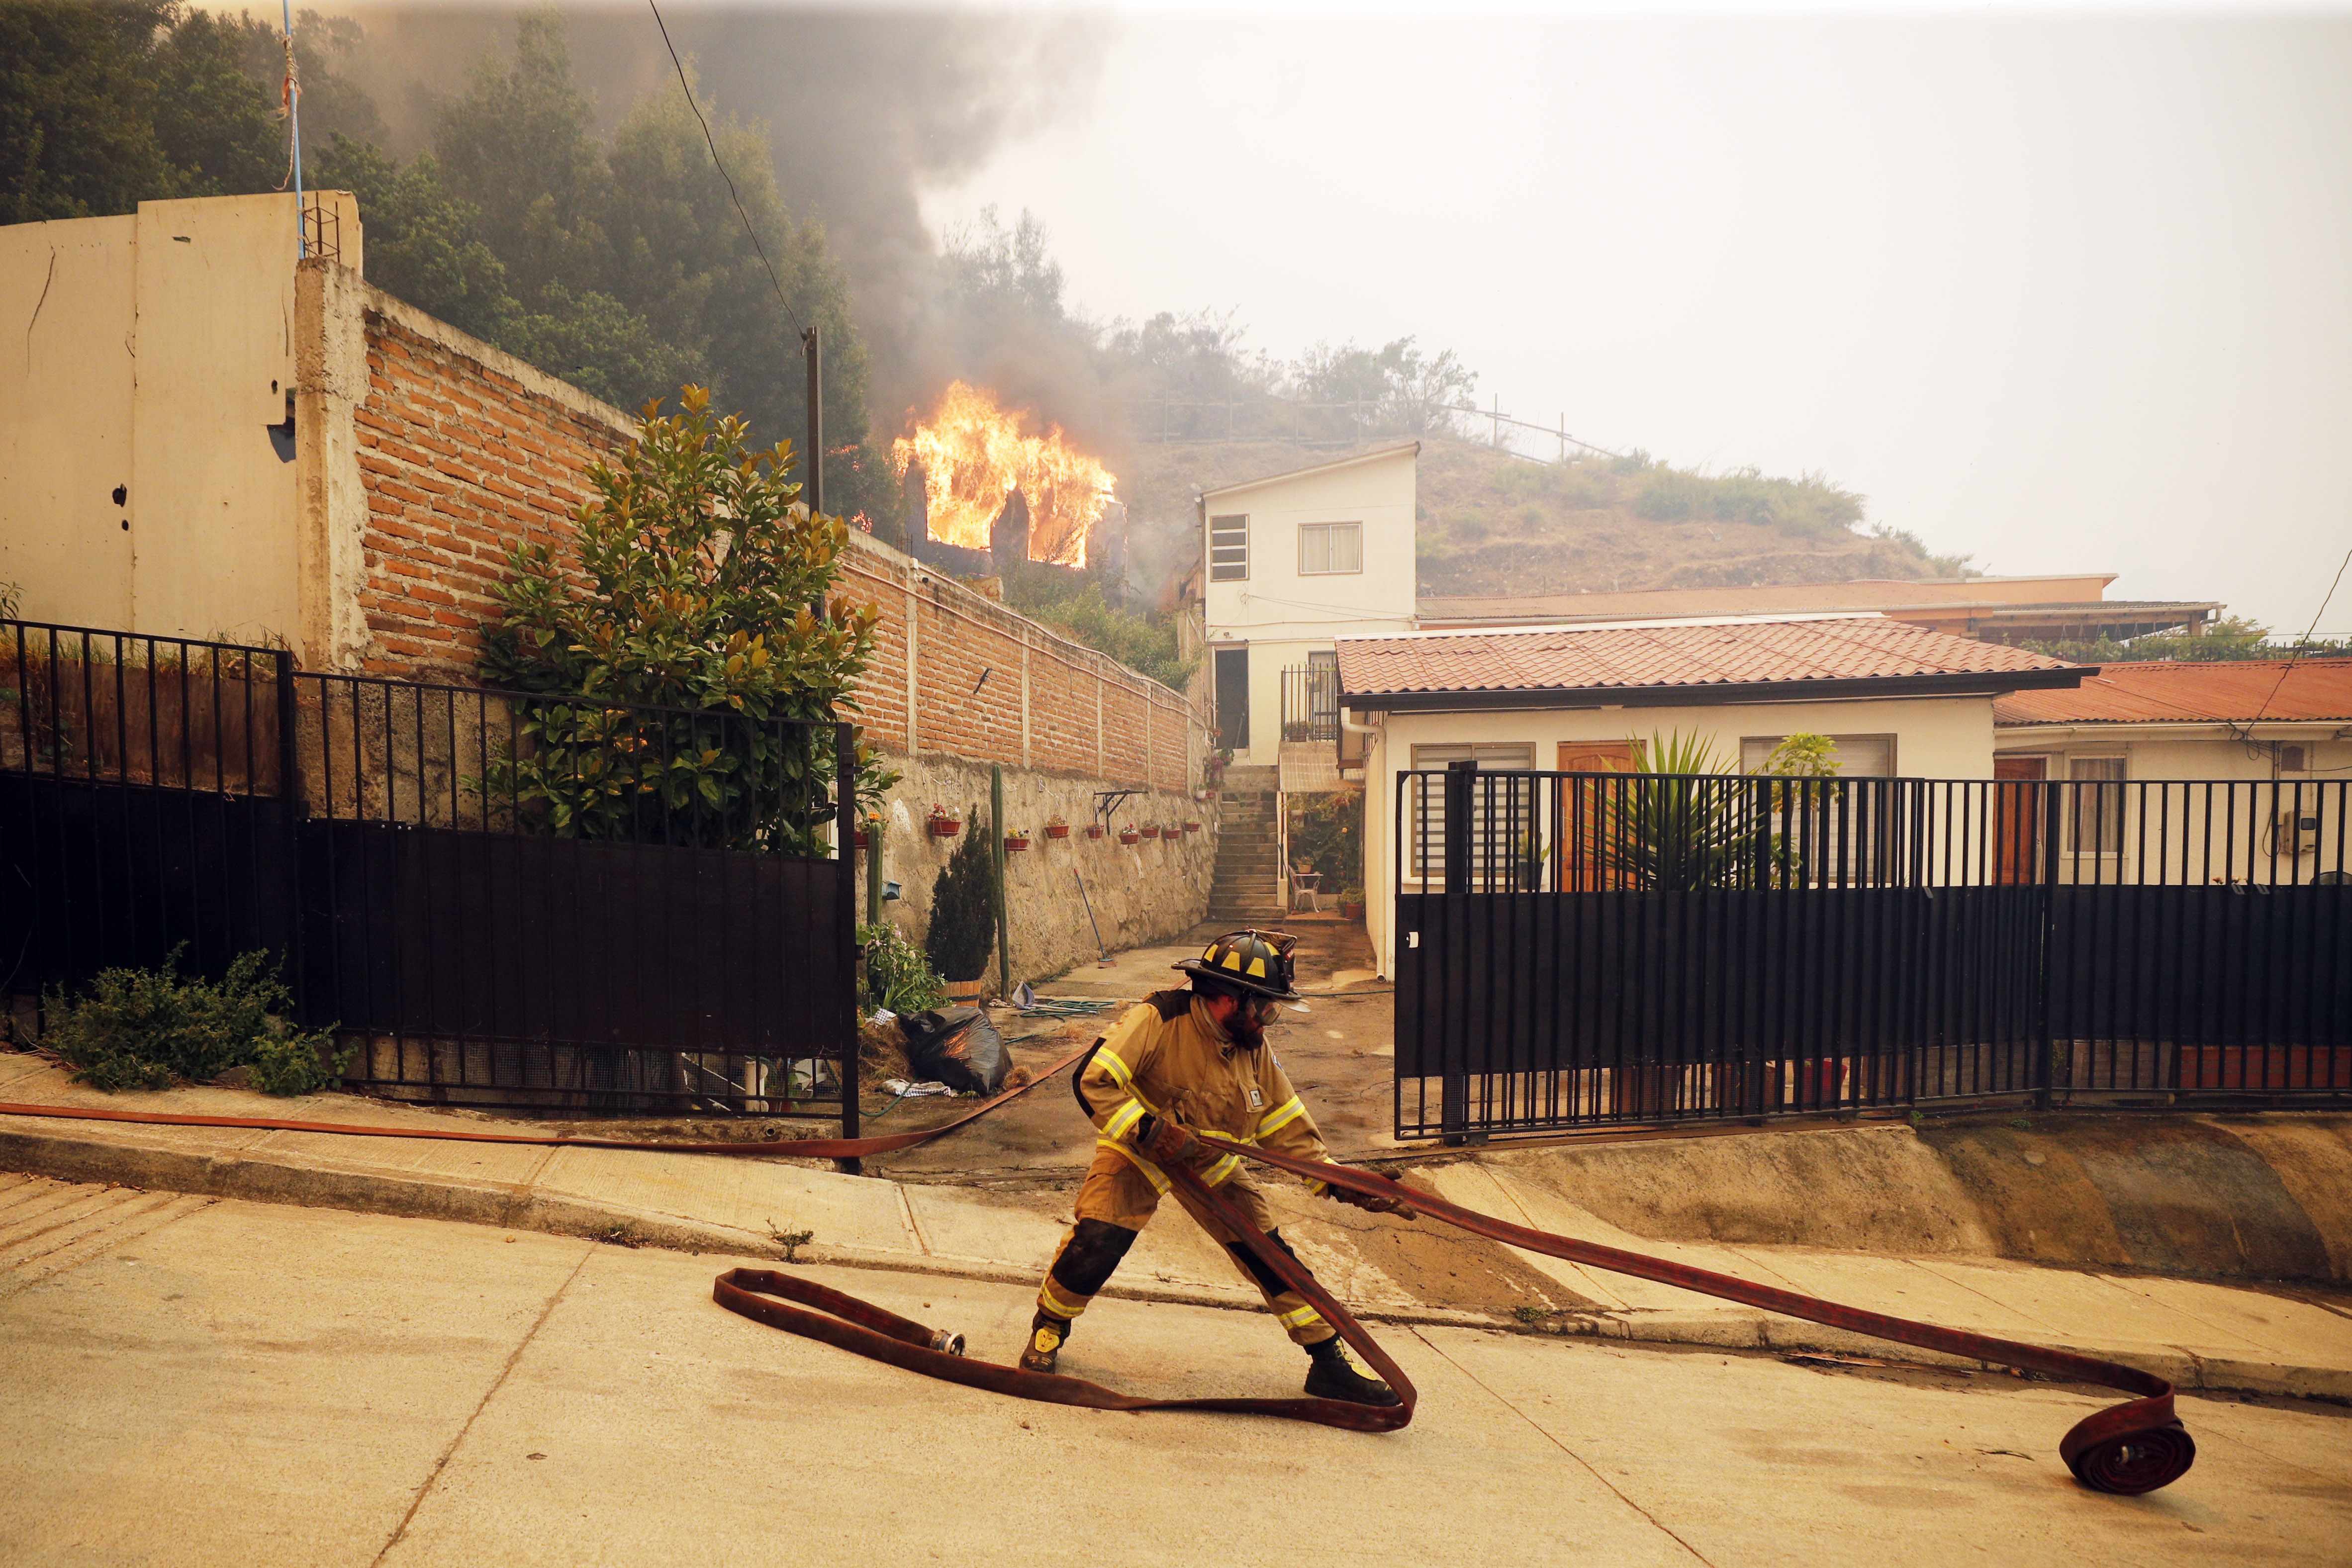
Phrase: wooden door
[1580,852]
[2017,817]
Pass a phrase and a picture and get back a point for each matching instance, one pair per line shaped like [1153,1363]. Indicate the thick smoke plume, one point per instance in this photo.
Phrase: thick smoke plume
[864,112]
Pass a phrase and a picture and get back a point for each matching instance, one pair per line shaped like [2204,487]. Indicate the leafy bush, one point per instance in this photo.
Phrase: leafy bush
[963,908]
[144,1028]
[2233,637]
[1327,830]
[1077,608]
[895,975]
[688,589]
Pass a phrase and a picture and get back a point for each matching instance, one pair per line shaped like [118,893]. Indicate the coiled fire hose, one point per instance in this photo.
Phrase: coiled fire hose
[2127,1448]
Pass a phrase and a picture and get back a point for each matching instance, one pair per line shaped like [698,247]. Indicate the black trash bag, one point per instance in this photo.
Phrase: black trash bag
[957,1047]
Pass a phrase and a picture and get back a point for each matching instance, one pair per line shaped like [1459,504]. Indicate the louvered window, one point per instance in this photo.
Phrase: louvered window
[1229,549]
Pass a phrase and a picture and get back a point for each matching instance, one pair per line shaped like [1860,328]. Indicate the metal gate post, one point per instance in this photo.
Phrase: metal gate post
[845,854]
[290,801]
[1455,1078]
[2045,1064]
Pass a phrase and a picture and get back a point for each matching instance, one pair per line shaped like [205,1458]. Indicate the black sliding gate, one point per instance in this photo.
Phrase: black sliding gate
[1579,949]
[495,897]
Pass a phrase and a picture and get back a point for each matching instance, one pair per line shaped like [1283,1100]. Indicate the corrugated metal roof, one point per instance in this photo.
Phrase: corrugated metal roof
[2183,692]
[1673,654]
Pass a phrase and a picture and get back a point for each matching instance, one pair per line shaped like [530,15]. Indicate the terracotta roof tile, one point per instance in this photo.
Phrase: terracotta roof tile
[2182,691]
[1661,654]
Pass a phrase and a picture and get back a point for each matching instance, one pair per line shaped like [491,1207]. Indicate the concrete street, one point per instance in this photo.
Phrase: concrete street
[196,1381]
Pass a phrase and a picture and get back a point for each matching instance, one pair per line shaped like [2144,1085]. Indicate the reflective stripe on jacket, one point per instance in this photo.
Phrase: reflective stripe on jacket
[1167,1057]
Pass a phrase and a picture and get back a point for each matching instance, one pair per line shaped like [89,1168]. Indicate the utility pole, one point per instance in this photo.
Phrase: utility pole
[813,464]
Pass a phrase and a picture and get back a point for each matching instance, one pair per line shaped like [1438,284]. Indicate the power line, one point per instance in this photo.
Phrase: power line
[687,87]
[2288,667]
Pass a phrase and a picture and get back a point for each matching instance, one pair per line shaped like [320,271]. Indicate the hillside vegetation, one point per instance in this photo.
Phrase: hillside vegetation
[1495,523]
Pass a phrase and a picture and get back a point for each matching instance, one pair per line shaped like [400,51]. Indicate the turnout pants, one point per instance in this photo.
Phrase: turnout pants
[1122,1192]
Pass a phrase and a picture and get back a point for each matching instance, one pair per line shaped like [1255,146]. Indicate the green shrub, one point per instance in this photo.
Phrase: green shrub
[895,975]
[963,907]
[683,600]
[144,1029]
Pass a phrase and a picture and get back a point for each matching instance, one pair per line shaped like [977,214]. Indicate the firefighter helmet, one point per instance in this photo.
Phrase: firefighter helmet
[1250,961]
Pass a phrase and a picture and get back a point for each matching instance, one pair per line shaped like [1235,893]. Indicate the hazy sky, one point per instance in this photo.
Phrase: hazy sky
[2062,295]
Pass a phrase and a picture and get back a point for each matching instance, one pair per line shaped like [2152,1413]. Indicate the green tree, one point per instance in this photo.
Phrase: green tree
[679,254]
[77,110]
[662,646]
[423,242]
[1403,389]
[216,118]
[962,933]
[518,144]
[2233,637]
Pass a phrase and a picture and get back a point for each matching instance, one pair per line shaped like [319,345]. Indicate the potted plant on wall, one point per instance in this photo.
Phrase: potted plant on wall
[963,919]
[1055,828]
[1191,824]
[1016,840]
[943,823]
[1150,830]
[1094,830]
[1128,835]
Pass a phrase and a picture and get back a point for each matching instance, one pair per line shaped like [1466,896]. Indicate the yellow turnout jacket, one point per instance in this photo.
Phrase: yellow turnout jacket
[1166,1056]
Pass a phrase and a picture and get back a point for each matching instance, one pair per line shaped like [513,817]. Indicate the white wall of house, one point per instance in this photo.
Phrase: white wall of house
[1281,613]
[158,351]
[1933,737]
[2164,834]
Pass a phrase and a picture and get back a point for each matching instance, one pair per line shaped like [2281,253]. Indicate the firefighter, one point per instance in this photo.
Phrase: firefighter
[1179,1062]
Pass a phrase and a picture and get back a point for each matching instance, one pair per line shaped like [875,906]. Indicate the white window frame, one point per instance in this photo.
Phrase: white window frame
[2109,833]
[1762,744]
[1492,756]
[1236,529]
[1328,535]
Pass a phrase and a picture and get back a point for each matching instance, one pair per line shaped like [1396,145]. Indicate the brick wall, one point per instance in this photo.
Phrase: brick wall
[460,459]
[994,685]
[463,451]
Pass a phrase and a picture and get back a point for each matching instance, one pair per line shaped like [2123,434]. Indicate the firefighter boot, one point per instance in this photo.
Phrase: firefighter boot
[1334,1377]
[1047,1334]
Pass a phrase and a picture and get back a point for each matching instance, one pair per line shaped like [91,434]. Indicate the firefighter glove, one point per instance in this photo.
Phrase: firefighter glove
[1161,1139]
[1375,1205]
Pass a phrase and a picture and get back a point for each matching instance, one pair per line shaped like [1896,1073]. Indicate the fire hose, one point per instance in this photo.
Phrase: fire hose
[2127,1448]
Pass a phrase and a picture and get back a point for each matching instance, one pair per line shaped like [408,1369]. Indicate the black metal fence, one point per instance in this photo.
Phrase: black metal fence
[497,897]
[1310,702]
[1575,949]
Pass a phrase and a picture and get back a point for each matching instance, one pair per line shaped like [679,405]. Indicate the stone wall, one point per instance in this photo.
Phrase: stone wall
[1153,891]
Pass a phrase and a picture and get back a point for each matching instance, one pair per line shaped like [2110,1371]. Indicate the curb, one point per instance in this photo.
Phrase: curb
[259,1178]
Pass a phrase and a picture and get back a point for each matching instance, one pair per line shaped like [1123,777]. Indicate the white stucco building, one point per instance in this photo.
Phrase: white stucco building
[1293,562]
[1896,699]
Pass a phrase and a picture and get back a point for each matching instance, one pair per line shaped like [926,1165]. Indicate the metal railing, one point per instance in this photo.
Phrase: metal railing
[1310,702]
[1582,948]
[499,897]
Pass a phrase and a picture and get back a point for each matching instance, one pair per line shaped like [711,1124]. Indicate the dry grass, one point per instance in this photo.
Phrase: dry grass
[1495,523]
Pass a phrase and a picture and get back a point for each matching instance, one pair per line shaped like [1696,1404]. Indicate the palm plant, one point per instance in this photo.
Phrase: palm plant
[1686,824]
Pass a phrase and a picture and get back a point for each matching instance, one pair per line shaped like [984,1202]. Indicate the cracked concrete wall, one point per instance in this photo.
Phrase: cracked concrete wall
[147,469]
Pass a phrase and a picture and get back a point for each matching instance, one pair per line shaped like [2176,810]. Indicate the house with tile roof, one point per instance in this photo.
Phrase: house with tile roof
[1894,698]
[2239,719]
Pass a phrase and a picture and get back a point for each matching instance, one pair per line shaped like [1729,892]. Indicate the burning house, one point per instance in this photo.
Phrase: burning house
[991,492]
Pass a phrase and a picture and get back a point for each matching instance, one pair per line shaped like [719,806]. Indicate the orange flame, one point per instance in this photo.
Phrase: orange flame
[975,454]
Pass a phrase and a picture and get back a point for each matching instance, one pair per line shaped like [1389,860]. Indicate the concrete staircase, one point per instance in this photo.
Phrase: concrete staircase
[1247,887]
